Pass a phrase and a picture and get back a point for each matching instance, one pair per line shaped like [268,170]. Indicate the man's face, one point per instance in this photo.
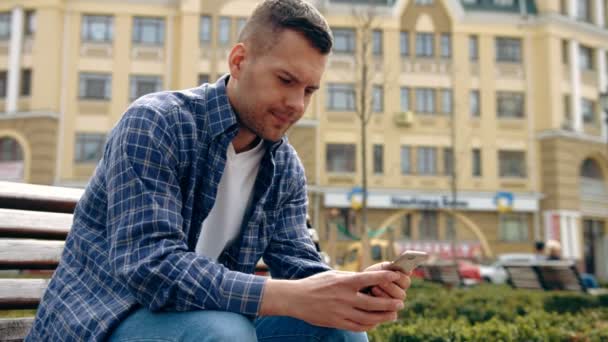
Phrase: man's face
[273,88]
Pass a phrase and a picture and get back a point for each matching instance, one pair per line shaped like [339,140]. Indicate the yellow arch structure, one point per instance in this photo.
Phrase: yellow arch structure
[25,147]
[485,246]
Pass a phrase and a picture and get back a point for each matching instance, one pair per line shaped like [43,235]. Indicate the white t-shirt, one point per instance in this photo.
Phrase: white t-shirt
[223,224]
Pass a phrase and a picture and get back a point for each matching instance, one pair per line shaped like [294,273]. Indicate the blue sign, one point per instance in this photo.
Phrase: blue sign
[504,201]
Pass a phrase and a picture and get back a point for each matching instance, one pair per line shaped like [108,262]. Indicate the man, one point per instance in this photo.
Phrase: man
[193,188]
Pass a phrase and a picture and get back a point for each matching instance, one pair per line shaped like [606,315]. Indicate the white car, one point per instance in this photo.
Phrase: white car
[496,273]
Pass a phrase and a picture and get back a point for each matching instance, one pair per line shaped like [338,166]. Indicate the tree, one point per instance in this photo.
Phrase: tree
[365,19]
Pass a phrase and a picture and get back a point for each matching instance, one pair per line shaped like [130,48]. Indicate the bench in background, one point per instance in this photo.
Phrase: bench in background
[547,275]
[443,272]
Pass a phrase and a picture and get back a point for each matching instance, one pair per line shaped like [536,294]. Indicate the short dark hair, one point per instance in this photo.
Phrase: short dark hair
[271,17]
[539,246]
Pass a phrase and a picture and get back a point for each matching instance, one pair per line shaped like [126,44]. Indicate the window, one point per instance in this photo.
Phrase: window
[142,85]
[450,228]
[473,48]
[406,226]
[378,159]
[223,33]
[149,31]
[3,83]
[508,50]
[340,158]
[95,86]
[583,10]
[5,26]
[30,23]
[240,24]
[567,109]
[206,29]
[591,169]
[476,161]
[513,228]
[424,2]
[448,161]
[504,3]
[26,82]
[446,45]
[446,101]
[586,58]
[425,101]
[424,45]
[565,52]
[427,227]
[405,99]
[404,43]
[474,105]
[378,99]
[512,164]
[97,28]
[377,42]
[203,78]
[344,40]
[588,110]
[406,164]
[341,97]
[89,147]
[427,160]
[10,150]
[510,104]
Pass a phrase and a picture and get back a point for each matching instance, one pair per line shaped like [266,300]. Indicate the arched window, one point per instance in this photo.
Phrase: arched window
[590,169]
[11,160]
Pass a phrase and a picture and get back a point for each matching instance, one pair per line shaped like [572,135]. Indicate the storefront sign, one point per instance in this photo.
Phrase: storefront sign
[475,201]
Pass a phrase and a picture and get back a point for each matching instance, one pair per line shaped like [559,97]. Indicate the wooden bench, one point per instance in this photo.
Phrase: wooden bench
[443,272]
[34,222]
[547,275]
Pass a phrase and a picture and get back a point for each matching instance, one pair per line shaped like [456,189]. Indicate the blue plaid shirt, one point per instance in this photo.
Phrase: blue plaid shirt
[135,228]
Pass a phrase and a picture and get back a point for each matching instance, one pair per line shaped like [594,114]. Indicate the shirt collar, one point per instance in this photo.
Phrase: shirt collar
[222,117]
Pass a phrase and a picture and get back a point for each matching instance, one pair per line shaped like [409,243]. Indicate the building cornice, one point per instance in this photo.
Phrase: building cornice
[28,115]
[570,135]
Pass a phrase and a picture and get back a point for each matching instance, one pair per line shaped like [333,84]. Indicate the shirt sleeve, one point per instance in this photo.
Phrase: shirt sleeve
[148,244]
[291,253]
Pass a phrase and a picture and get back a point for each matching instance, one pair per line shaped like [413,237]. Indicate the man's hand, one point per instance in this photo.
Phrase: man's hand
[396,289]
[333,299]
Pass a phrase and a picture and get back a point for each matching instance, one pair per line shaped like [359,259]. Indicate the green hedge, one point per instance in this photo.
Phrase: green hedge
[496,313]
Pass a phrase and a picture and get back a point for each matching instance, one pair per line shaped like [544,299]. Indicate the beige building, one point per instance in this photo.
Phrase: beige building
[503,94]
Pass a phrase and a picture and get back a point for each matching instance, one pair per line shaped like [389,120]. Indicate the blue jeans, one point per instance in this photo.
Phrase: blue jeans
[206,326]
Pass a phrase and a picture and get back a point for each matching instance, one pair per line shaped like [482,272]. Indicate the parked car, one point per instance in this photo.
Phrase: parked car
[469,272]
[496,273]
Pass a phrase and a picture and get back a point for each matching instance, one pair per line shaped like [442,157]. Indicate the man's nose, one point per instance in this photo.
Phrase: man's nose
[296,101]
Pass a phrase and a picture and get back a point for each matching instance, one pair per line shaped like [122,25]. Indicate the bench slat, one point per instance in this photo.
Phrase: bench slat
[29,254]
[15,329]
[21,293]
[38,197]
[34,224]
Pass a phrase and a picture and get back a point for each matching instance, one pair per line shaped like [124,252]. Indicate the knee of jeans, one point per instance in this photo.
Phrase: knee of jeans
[228,327]
[337,335]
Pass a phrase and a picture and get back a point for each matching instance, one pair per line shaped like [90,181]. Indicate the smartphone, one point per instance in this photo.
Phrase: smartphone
[407,261]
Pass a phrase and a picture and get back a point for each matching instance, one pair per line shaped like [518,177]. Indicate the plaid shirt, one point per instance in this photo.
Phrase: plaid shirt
[135,228]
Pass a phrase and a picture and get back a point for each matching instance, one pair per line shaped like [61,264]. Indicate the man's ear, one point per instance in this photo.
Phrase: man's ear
[236,59]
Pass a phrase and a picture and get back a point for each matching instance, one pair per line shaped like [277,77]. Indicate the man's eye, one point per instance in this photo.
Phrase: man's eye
[285,80]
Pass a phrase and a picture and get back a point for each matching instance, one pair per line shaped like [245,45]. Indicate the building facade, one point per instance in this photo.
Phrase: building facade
[488,109]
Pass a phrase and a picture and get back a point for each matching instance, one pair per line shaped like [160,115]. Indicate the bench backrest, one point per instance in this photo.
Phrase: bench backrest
[34,222]
[547,275]
[444,272]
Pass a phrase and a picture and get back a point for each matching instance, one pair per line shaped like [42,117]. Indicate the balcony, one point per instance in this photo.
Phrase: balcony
[510,71]
[147,53]
[426,66]
[96,50]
